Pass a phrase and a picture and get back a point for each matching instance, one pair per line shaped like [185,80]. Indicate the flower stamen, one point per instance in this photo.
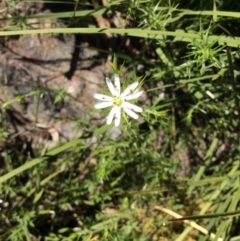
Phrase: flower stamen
[117,101]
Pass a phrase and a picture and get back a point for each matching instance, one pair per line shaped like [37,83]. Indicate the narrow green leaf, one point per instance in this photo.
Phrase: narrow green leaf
[215,215]
[102,129]
[36,161]
[236,238]
[214,11]
[38,196]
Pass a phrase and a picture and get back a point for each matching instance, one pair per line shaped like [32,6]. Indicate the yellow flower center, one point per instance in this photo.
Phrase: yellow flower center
[117,101]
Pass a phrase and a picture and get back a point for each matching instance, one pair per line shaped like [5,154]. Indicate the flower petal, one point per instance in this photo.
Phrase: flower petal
[102,97]
[102,105]
[129,90]
[117,117]
[131,113]
[111,87]
[133,96]
[132,107]
[113,114]
[117,85]
[110,116]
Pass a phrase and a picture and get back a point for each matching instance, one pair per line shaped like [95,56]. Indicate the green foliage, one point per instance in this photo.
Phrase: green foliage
[183,153]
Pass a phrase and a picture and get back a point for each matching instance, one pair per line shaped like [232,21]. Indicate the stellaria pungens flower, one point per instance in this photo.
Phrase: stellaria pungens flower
[118,101]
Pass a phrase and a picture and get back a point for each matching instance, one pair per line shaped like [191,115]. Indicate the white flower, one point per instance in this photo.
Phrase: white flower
[119,100]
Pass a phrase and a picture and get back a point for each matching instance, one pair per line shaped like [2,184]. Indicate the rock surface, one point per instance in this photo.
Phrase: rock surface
[36,68]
